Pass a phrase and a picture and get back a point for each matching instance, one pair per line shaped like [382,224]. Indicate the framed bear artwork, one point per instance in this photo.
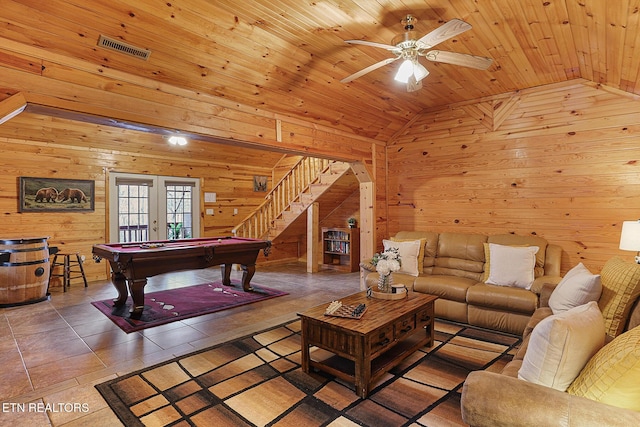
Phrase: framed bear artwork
[56,195]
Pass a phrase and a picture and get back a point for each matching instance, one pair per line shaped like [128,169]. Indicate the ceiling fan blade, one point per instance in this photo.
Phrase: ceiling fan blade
[442,33]
[471,61]
[373,44]
[369,69]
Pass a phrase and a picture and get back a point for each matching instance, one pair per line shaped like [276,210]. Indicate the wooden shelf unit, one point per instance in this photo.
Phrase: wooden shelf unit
[341,248]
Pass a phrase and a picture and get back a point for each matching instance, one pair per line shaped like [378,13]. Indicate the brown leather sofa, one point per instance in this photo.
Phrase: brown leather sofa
[453,269]
[502,399]
[490,399]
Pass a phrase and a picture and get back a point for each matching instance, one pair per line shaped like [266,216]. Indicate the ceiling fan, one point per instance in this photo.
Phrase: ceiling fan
[408,47]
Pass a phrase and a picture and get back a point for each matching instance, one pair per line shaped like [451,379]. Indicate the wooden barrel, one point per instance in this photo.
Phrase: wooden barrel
[24,271]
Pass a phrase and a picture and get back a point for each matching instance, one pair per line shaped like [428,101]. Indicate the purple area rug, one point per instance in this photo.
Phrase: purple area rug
[182,303]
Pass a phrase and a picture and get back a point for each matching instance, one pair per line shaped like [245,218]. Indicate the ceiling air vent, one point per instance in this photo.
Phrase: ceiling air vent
[125,48]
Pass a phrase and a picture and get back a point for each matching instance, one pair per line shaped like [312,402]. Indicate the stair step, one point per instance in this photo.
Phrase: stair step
[289,216]
[328,178]
[318,188]
[280,224]
[297,207]
[306,199]
[338,167]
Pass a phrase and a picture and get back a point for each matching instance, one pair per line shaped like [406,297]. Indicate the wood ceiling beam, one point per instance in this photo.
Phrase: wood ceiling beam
[188,117]
[12,106]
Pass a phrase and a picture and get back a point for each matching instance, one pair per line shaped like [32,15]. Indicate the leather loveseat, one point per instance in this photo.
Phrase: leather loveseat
[606,387]
[453,266]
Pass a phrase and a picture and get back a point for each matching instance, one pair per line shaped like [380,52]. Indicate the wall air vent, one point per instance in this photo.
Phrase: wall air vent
[122,47]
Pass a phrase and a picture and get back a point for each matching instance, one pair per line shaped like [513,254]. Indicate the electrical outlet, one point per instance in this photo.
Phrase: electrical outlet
[235,211]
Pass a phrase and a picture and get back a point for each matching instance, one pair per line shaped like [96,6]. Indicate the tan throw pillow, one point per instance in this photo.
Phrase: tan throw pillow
[408,255]
[620,289]
[576,288]
[423,242]
[612,376]
[487,263]
[511,265]
[561,345]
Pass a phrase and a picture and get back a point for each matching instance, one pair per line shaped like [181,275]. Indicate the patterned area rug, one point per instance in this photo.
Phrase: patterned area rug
[182,303]
[257,381]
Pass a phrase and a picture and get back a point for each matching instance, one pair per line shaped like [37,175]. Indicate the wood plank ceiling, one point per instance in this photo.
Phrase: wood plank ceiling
[288,57]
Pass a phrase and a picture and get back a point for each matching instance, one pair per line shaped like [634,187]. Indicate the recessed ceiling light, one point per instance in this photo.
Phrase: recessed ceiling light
[177,140]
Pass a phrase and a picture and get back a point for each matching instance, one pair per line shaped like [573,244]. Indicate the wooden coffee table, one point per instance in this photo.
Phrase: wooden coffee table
[364,349]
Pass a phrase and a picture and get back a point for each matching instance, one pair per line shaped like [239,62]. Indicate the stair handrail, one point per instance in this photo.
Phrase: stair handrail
[288,190]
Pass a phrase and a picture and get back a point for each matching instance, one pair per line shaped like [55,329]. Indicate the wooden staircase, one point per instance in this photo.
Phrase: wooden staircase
[307,180]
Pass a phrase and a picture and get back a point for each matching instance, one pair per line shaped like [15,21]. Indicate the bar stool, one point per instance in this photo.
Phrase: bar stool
[71,269]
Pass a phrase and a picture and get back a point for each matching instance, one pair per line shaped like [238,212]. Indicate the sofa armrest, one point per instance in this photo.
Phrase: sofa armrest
[545,294]
[539,282]
[553,260]
[367,265]
[494,400]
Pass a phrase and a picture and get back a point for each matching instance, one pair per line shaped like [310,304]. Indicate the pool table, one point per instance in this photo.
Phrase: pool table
[132,263]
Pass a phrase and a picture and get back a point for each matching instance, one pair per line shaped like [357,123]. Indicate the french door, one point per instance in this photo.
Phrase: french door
[152,207]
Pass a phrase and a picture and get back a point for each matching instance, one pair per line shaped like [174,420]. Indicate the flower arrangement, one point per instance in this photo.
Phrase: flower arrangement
[386,262]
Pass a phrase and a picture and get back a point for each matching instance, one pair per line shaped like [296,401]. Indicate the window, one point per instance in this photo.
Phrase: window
[179,211]
[133,211]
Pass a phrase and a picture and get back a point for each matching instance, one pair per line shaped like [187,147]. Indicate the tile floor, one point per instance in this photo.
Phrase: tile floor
[53,353]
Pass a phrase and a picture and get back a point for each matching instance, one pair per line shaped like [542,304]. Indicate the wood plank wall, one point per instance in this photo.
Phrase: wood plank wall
[60,156]
[381,189]
[560,161]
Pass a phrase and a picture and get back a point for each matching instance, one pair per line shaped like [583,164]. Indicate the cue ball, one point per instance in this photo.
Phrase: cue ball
[219,240]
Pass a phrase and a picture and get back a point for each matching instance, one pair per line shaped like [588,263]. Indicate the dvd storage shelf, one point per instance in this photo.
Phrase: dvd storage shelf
[341,248]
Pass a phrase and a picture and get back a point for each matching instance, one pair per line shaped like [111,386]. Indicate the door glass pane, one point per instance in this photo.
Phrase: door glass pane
[179,216]
[133,212]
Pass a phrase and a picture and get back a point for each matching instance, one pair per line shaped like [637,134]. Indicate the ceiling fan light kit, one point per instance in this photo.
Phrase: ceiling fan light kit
[405,70]
[408,47]
[411,67]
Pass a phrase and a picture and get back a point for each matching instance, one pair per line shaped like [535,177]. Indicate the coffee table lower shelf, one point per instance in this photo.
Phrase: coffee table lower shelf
[344,368]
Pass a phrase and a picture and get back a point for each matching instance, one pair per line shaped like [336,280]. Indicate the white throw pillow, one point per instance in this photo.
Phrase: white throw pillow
[408,251]
[577,287]
[512,265]
[561,345]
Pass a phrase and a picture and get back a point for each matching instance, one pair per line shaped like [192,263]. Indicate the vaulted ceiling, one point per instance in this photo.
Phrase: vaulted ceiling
[288,57]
